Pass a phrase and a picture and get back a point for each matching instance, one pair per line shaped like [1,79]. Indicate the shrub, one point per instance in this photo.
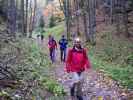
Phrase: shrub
[129,59]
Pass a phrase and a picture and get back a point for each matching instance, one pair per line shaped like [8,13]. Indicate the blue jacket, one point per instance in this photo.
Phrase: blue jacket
[63,44]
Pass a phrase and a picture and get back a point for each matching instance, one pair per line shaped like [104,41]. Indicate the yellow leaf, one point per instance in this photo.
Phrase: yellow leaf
[100,98]
[33,98]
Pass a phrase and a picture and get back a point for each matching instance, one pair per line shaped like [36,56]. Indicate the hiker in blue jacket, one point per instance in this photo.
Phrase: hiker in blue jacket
[63,47]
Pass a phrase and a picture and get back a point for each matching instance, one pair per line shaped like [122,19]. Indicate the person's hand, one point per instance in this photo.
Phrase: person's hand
[82,70]
[88,69]
[66,70]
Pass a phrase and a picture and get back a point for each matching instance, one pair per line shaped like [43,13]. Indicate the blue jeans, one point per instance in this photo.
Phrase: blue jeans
[52,55]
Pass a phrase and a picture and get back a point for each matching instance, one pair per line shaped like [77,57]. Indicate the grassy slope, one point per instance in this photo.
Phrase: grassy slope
[112,54]
[55,31]
[33,65]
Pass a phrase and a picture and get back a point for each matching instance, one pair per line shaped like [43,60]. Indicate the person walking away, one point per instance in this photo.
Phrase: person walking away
[42,37]
[63,47]
[39,42]
[77,62]
[42,40]
[52,46]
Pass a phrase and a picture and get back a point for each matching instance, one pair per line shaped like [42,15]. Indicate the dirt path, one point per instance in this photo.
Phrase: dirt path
[97,86]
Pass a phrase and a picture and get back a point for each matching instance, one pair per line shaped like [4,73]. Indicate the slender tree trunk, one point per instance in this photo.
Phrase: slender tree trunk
[85,26]
[65,6]
[125,18]
[111,11]
[17,7]
[22,18]
[12,17]
[26,16]
[30,22]
[117,20]
[34,14]
[77,16]
[92,20]
[68,19]
[32,17]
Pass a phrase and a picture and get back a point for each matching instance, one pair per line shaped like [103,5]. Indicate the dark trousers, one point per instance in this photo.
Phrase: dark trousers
[52,55]
[63,54]
[42,37]
[79,90]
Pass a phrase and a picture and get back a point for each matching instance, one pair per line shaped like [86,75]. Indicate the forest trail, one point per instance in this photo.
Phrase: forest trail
[96,86]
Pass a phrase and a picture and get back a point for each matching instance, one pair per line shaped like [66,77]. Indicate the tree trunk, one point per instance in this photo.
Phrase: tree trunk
[30,22]
[117,20]
[68,19]
[111,11]
[85,26]
[26,16]
[12,17]
[92,20]
[22,18]
[32,17]
[34,14]
[77,16]
[65,6]
[125,18]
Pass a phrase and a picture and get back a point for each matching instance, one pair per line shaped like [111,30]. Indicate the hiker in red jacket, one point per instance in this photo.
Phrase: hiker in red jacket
[77,62]
[52,47]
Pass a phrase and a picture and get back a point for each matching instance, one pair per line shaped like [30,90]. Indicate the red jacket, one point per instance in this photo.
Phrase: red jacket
[52,44]
[77,61]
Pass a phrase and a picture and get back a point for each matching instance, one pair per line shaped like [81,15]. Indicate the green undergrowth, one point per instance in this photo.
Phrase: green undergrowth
[55,31]
[58,98]
[34,68]
[52,86]
[121,74]
[114,56]
[41,68]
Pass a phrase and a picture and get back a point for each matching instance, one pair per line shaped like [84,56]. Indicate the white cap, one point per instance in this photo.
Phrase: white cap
[77,40]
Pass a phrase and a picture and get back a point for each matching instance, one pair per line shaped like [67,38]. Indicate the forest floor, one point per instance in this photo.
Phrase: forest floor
[102,81]
[97,85]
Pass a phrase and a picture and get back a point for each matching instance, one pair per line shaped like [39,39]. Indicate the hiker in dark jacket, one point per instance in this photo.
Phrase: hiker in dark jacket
[63,47]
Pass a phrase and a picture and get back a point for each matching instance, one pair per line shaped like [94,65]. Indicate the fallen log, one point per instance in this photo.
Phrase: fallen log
[9,83]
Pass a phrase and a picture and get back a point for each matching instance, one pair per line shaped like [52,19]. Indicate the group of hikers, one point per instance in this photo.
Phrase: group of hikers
[76,62]
[52,44]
